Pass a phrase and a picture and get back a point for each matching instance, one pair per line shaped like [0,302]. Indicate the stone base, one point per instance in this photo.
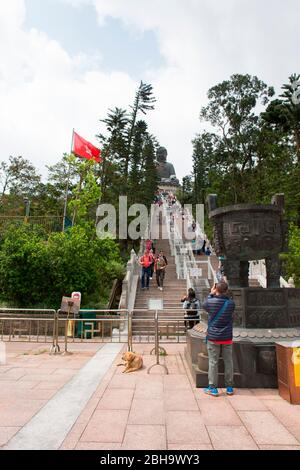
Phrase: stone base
[168,187]
[255,364]
[262,317]
[257,308]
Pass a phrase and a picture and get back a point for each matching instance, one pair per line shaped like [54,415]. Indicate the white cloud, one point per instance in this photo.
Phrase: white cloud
[44,93]
[203,43]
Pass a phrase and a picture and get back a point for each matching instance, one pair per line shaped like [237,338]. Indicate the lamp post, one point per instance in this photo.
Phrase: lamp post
[27,209]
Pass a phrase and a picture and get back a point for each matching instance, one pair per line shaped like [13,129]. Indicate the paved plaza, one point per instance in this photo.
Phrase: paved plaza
[131,411]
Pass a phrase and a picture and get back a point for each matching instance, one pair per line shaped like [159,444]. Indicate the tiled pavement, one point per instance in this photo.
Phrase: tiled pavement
[30,379]
[141,411]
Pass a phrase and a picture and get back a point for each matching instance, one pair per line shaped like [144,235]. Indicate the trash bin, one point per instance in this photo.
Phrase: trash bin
[85,328]
[288,368]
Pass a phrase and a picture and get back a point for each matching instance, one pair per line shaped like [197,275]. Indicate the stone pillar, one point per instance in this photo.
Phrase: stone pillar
[273,268]
[244,274]
[232,272]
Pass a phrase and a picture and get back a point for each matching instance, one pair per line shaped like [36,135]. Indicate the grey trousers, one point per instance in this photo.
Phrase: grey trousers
[213,350]
[160,276]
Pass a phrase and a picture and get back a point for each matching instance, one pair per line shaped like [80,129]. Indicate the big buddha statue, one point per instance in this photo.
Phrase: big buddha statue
[165,171]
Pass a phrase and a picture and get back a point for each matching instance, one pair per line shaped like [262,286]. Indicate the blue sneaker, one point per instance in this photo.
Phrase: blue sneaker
[229,391]
[211,391]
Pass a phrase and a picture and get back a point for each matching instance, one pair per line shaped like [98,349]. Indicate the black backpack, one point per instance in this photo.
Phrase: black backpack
[192,307]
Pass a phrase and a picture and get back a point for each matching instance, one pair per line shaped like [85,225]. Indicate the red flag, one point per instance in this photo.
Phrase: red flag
[83,148]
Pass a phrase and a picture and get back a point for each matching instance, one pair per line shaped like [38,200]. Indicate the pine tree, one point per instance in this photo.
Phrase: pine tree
[150,181]
[135,174]
[144,101]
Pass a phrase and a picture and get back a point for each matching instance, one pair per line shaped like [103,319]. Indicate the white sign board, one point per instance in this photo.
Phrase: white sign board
[195,272]
[155,304]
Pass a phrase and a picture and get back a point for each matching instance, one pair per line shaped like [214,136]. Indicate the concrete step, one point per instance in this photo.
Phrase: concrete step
[173,294]
[168,283]
[142,315]
[171,301]
[174,288]
[166,309]
[158,294]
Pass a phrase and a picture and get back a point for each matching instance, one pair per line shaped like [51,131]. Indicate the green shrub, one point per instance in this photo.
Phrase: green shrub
[35,269]
[24,265]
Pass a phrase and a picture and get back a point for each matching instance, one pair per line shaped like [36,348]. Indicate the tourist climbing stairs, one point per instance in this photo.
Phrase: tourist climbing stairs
[174,289]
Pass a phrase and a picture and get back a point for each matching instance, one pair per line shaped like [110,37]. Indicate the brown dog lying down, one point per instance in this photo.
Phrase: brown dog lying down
[132,360]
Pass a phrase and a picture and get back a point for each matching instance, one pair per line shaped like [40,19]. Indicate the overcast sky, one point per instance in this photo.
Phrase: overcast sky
[63,63]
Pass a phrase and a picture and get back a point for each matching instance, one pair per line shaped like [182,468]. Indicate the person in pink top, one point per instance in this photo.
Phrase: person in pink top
[149,244]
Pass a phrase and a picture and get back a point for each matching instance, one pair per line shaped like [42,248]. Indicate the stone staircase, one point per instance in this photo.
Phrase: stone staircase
[215,264]
[174,289]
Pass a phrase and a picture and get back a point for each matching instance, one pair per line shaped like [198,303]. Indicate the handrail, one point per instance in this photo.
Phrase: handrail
[34,328]
[25,310]
[257,271]
[132,270]
[260,274]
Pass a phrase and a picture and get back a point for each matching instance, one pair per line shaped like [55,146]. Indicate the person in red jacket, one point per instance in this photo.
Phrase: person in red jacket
[146,261]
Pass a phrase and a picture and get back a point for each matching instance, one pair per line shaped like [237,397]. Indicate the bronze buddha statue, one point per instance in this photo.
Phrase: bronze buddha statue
[166,172]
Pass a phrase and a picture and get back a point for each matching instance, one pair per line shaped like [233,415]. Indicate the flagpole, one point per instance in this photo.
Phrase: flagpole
[100,197]
[67,187]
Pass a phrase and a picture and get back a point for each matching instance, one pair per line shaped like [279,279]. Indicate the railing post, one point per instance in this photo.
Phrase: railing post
[129,329]
[66,352]
[157,348]
[55,346]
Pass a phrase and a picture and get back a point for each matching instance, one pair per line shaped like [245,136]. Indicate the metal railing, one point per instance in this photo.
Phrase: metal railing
[61,329]
[132,270]
[171,323]
[129,284]
[164,329]
[257,271]
[50,223]
[98,326]
[187,267]
[28,325]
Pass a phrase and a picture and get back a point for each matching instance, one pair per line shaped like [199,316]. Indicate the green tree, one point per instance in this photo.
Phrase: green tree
[232,111]
[25,278]
[144,101]
[113,153]
[125,150]
[36,269]
[150,180]
[135,180]
[18,177]
[185,194]
[292,258]
[282,116]
[292,111]
[206,164]
[86,193]
[18,180]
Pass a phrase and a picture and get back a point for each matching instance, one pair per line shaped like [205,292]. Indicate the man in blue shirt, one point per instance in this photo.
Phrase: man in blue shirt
[220,309]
